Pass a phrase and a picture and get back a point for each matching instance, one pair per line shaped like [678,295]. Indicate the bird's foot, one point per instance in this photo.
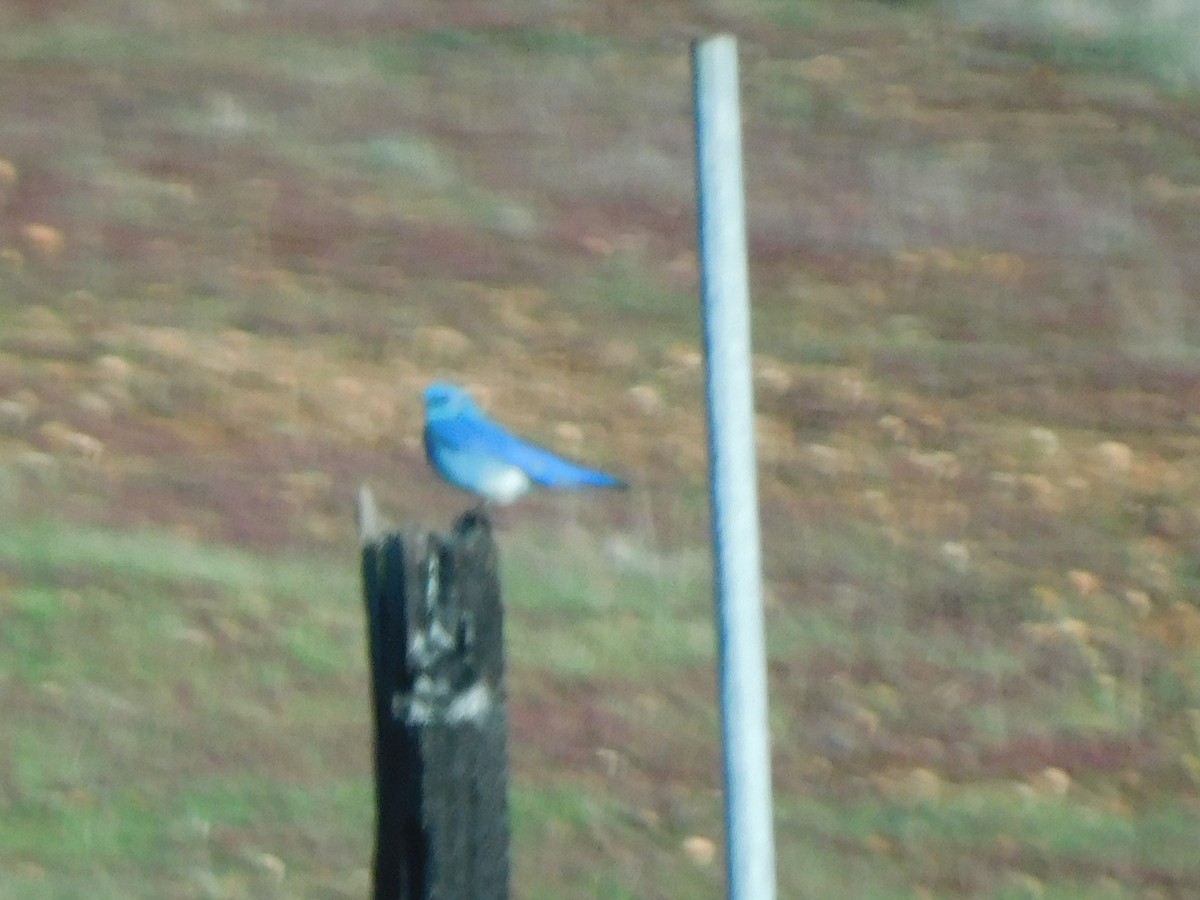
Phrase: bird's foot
[475,517]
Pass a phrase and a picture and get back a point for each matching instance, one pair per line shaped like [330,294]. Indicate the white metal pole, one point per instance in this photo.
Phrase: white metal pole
[750,842]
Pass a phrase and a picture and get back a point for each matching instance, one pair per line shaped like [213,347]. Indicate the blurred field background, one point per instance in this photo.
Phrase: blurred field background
[238,238]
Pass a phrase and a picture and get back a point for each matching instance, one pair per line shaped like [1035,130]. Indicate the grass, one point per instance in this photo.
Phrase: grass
[150,671]
[1048,836]
[228,663]
[236,661]
[555,817]
[270,228]
[48,549]
[1157,40]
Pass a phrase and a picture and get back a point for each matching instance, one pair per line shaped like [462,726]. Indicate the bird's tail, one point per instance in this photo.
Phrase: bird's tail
[593,478]
[556,472]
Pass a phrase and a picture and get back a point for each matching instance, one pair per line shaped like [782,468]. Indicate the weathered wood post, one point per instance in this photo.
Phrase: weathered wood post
[435,634]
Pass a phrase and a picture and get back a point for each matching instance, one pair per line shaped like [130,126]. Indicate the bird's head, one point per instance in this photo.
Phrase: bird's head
[444,400]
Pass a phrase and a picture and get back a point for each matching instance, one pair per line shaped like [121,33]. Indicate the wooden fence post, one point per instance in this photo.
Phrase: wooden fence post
[435,633]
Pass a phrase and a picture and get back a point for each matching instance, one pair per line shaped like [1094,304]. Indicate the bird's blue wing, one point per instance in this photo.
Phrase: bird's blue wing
[477,434]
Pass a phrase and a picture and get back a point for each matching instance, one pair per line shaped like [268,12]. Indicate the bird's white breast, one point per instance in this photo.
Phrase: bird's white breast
[504,484]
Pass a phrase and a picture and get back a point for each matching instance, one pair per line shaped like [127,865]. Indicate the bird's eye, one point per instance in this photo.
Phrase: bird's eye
[441,402]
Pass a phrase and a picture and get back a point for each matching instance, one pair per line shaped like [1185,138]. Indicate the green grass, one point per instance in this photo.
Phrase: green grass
[551,817]
[1161,50]
[534,40]
[1156,40]
[165,680]
[153,681]
[42,550]
[185,718]
[1051,836]
[572,613]
[279,677]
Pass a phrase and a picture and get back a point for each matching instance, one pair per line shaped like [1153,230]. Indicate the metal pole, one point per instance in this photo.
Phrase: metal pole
[750,843]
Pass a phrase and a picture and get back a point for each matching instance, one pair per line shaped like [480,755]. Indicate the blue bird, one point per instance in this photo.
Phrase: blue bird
[474,453]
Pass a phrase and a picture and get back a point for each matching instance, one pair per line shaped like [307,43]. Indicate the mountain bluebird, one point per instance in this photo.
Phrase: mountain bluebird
[478,455]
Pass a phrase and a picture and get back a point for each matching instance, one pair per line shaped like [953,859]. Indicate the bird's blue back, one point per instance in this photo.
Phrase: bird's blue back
[455,424]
